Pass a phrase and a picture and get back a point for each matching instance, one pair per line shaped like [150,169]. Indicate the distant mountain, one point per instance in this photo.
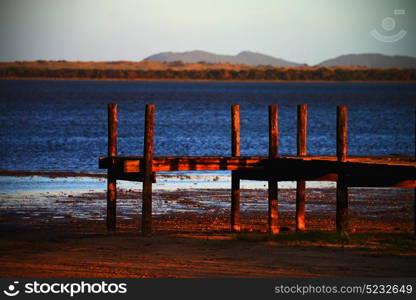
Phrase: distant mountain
[371,61]
[245,57]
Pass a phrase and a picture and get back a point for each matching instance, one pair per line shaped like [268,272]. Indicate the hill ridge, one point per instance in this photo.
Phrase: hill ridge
[369,60]
[243,57]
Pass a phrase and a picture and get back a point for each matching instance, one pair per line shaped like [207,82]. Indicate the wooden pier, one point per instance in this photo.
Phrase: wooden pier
[347,171]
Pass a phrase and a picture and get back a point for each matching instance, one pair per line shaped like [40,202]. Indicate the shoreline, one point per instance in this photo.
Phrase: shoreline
[197,246]
[205,80]
[79,200]
[64,235]
[50,174]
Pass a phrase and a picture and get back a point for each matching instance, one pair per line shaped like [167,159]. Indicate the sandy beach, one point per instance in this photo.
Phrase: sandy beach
[41,236]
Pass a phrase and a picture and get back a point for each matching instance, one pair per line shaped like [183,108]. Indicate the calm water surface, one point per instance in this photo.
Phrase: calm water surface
[62,125]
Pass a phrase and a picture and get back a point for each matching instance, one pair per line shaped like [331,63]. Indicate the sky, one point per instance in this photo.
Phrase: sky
[304,31]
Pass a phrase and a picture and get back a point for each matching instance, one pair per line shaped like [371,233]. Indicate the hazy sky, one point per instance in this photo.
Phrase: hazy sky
[306,31]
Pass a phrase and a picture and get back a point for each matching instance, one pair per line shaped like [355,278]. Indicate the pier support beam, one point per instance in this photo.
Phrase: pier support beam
[342,205]
[273,213]
[235,179]
[301,151]
[111,181]
[342,188]
[148,170]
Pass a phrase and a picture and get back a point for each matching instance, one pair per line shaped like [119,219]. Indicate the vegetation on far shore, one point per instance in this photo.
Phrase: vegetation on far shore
[151,70]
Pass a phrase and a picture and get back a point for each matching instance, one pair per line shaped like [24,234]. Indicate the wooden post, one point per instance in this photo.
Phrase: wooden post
[235,130]
[235,180]
[342,188]
[111,181]
[301,151]
[342,122]
[148,172]
[273,214]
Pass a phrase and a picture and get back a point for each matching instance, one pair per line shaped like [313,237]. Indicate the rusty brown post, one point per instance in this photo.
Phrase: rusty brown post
[235,180]
[148,170]
[111,181]
[301,151]
[342,123]
[273,213]
[342,188]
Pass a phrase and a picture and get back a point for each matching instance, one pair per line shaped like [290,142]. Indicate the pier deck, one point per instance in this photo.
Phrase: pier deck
[347,171]
[361,171]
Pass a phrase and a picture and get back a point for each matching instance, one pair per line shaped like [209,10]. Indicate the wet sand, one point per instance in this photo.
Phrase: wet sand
[194,239]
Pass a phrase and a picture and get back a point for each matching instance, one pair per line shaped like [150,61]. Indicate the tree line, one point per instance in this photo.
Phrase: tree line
[259,73]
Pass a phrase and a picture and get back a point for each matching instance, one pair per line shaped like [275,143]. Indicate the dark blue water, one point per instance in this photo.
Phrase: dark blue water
[62,125]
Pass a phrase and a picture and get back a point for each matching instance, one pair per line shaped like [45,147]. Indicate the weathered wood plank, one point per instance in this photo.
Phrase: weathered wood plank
[301,151]
[273,131]
[235,202]
[235,130]
[235,180]
[342,187]
[170,163]
[284,168]
[147,170]
[193,164]
[302,129]
[111,180]
[342,205]
[273,209]
[300,205]
[342,133]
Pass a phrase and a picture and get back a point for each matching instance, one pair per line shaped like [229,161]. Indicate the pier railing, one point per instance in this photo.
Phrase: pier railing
[358,171]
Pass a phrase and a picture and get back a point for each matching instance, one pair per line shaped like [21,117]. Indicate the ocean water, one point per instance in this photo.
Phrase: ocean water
[62,125]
